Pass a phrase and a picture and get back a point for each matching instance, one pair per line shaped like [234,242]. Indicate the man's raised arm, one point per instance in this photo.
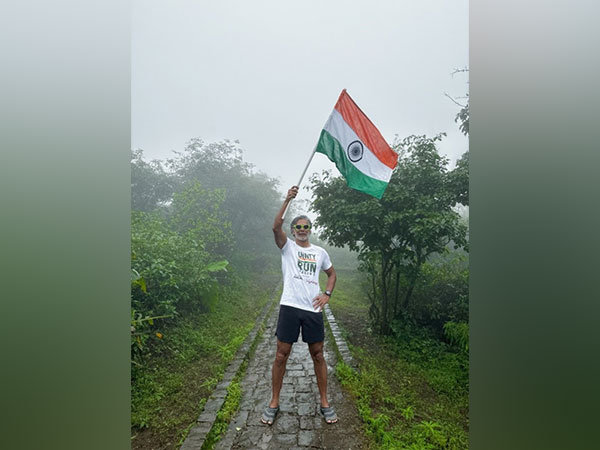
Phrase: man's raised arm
[280,236]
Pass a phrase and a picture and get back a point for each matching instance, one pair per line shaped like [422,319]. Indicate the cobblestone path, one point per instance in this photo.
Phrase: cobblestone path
[298,425]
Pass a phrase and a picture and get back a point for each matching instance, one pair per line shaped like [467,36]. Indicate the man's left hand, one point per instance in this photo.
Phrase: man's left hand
[320,301]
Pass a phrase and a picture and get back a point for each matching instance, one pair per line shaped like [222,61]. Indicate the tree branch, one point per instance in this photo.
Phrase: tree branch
[452,98]
[455,71]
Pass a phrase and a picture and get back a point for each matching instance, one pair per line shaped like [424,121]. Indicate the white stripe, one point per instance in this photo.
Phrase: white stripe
[369,164]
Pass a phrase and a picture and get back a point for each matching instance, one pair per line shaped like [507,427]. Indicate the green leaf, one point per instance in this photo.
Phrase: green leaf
[216,266]
[135,275]
[142,284]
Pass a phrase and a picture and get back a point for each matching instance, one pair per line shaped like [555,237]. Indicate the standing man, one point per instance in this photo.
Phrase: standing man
[301,305]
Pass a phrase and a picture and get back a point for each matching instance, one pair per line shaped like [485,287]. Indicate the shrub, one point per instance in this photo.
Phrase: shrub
[457,334]
[176,269]
[442,295]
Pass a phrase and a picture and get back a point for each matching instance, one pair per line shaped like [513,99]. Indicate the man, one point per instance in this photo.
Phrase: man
[301,305]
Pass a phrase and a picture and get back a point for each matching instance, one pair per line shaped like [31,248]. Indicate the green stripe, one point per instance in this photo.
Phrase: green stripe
[331,147]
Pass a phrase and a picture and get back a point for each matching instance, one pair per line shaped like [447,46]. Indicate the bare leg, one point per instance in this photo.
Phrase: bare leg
[316,351]
[278,371]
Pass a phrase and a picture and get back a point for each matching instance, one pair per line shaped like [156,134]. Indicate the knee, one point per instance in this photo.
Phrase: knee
[281,357]
[317,356]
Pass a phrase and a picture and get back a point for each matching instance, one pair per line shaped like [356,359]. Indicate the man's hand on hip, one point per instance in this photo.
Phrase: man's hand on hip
[320,301]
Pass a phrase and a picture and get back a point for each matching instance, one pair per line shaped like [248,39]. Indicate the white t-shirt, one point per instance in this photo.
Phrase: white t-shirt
[301,267]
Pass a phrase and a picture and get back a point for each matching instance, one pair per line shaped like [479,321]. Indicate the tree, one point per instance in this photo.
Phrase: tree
[462,118]
[395,235]
[460,175]
[459,180]
[198,211]
[151,185]
[250,199]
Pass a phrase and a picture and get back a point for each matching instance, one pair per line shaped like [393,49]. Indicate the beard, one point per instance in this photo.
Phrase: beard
[302,238]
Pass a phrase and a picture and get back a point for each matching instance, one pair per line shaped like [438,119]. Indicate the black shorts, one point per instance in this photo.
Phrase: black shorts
[292,319]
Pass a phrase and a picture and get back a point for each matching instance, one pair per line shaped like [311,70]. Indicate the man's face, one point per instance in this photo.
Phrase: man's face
[303,233]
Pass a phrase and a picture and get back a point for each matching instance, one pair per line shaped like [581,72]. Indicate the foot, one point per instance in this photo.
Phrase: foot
[268,415]
[329,414]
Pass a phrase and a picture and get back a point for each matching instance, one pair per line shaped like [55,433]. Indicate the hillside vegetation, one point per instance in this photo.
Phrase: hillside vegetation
[203,266]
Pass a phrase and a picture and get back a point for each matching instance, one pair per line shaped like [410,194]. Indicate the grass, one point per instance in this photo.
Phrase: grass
[169,391]
[411,392]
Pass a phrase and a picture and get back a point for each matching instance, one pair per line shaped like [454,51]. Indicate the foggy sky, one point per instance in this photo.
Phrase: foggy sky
[268,74]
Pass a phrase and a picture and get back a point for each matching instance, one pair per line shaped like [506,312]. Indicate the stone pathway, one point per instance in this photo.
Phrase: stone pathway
[298,424]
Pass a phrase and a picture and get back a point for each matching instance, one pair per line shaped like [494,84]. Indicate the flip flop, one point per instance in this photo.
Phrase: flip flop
[329,414]
[268,415]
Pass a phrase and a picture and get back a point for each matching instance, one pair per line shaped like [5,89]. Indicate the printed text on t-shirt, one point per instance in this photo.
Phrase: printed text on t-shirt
[307,263]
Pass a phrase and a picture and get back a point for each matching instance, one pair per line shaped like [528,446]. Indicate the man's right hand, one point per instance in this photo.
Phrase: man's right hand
[292,192]
[280,236]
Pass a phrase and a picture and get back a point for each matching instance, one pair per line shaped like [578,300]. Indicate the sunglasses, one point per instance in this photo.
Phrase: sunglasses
[302,227]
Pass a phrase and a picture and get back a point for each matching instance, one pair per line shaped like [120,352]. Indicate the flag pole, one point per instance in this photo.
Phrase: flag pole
[300,181]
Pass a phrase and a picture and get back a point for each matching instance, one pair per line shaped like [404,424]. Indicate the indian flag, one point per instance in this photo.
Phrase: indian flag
[351,141]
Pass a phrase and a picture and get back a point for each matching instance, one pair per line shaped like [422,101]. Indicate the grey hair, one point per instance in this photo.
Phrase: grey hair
[296,219]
